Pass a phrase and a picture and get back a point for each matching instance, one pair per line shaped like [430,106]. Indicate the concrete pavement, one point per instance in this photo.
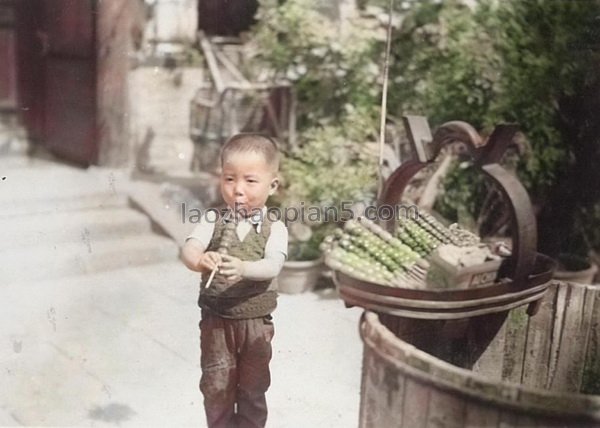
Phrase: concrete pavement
[121,348]
[99,323]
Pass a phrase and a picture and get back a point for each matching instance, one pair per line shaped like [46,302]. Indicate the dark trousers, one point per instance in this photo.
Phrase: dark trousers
[235,356]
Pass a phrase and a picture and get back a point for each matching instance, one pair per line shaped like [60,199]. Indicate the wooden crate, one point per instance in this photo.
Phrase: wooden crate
[444,275]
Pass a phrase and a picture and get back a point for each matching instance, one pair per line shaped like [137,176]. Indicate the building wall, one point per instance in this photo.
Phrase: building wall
[173,21]
[119,28]
[160,121]
[73,68]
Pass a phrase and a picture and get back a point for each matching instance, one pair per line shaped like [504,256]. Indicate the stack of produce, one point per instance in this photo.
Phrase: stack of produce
[365,251]
[424,233]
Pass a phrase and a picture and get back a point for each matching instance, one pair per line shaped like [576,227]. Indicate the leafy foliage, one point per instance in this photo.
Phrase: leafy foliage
[534,63]
[331,70]
[335,78]
[330,169]
[542,44]
[308,249]
[333,165]
[464,191]
[511,61]
[444,65]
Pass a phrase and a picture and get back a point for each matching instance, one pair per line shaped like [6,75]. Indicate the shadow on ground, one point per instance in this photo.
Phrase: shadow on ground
[112,413]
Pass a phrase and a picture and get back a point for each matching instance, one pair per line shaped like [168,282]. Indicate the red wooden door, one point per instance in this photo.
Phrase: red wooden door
[70,79]
[8,56]
[30,67]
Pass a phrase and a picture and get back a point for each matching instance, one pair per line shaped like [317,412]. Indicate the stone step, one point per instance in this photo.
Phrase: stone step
[71,226]
[53,205]
[10,163]
[40,180]
[42,188]
[84,257]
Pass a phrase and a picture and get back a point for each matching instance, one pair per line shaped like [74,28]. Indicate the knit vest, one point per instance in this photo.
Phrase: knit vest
[244,299]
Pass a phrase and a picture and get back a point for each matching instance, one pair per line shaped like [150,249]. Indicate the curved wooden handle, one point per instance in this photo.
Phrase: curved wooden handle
[485,155]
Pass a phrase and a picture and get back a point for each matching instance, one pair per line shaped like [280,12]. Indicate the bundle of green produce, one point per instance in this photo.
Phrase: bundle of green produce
[366,251]
[424,234]
[464,237]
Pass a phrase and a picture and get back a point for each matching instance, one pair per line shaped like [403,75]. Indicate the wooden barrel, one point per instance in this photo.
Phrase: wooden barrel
[403,386]
[447,304]
[454,325]
[558,349]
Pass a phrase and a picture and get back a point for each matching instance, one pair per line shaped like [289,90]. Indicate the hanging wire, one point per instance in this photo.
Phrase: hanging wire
[386,69]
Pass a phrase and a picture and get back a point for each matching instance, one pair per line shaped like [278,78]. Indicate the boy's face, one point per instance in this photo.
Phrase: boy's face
[247,181]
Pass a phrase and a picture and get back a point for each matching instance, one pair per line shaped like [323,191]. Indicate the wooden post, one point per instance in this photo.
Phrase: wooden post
[118,22]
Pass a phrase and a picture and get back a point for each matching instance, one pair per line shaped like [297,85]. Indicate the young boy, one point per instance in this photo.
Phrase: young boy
[236,327]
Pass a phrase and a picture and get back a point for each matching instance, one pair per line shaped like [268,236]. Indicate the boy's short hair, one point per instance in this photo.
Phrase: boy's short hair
[250,142]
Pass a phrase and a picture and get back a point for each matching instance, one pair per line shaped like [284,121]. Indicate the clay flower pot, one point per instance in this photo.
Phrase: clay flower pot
[575,269]
[299,276]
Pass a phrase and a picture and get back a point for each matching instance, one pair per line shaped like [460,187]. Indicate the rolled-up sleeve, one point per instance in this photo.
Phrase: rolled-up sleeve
[202,233]
[275,255]
[278,240]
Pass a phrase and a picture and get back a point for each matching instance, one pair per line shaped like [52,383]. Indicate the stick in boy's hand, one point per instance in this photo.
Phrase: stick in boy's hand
[226,239]
[212,275]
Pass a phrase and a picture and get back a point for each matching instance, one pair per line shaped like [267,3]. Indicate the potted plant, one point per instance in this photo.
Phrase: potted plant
[592,220]
[577,258]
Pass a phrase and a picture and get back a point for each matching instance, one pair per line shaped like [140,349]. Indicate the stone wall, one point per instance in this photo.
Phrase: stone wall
[160,100]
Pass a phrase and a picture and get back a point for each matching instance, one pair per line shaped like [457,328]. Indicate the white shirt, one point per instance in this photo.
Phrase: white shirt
[275,247]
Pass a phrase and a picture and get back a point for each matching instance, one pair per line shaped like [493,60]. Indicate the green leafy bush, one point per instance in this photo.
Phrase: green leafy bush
[326,170]
[331,70]
[335,79]
[534,63]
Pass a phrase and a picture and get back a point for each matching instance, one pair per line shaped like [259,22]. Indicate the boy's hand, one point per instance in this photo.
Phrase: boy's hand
[231,268]
[209,261]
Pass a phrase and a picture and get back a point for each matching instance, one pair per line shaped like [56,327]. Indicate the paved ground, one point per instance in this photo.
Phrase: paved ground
[99,325]
[121,348]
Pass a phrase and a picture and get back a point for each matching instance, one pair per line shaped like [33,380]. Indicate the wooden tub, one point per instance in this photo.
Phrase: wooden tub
[532,374]
[456,325]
